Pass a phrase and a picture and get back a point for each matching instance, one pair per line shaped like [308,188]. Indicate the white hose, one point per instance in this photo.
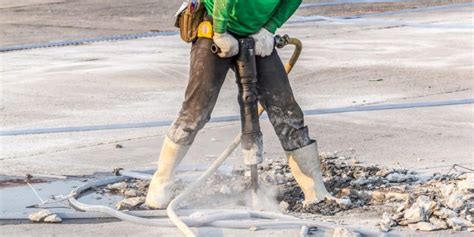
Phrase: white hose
[146,213]
[228,218]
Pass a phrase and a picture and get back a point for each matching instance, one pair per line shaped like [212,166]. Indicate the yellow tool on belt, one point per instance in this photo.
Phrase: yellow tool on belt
[205,30]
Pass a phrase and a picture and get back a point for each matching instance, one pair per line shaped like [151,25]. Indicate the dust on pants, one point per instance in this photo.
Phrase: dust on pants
[207,74]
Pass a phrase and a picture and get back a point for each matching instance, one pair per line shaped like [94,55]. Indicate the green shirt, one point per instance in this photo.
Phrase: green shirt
[245,17]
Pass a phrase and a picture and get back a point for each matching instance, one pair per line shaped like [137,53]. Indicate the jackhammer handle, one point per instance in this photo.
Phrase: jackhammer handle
[279,42]
[288,66]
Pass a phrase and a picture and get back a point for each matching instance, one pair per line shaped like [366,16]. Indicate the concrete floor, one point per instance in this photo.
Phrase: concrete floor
[420,56]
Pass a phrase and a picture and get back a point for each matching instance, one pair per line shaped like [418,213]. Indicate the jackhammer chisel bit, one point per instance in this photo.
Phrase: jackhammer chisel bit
[246,77]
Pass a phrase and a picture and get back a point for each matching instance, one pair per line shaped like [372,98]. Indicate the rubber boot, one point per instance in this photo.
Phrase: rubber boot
[305,167]
[159,192]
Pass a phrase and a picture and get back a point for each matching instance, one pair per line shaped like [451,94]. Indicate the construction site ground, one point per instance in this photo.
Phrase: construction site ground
[402,57]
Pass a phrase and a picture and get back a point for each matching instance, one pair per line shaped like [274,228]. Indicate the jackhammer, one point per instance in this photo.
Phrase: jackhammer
[251,136]
[246,78]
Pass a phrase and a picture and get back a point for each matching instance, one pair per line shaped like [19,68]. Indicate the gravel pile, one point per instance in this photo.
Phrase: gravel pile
[344,178]
[442,201]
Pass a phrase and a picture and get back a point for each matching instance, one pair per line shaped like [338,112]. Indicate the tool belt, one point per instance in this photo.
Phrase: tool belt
[188,19]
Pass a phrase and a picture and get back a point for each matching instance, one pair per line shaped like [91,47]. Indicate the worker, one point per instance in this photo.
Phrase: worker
[233,19]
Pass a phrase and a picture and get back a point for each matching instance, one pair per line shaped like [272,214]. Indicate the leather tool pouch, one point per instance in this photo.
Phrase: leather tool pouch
[188,21]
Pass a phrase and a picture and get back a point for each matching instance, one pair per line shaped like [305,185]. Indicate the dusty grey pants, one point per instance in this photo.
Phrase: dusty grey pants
[207,74]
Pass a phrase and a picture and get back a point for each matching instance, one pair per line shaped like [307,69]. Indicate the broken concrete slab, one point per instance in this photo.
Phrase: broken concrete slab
[53,219]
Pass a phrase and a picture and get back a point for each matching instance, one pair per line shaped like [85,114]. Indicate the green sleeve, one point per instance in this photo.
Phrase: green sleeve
[220,14]
[282,14]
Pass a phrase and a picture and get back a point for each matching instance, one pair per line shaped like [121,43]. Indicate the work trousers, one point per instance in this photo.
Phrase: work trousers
[207,74]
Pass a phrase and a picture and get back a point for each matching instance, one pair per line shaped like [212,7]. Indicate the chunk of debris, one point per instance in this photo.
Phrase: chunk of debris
[415,214]
[53,219]
[39,215]
[399,177]
[458,223]
[440,224]
[455,201]
[387,222]
[131,193]
[344,202]
[447,189]
[117,187]
[378,197]
[383,172]
[427,204]
[444,213]
[130,203]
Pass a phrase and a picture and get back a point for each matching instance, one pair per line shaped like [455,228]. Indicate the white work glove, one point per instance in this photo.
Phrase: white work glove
[227,44]
[263,42]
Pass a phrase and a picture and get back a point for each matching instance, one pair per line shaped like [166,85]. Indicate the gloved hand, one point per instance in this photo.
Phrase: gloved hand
[227,44]
[263,42]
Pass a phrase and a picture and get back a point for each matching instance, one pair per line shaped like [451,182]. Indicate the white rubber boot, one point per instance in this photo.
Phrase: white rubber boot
[159,192]
[305,166]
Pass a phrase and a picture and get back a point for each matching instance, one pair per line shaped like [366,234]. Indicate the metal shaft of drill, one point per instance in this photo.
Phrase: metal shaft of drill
[246,75]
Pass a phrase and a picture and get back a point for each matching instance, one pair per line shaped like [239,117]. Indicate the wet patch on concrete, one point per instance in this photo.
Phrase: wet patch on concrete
[19,198]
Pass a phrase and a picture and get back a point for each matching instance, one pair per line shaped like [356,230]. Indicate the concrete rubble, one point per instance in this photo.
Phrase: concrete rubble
[53,219]
[436,205]
[439,202]
[39,215]
[130,203]
[387,222]
[442,201]
[118,187]
[44,215]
